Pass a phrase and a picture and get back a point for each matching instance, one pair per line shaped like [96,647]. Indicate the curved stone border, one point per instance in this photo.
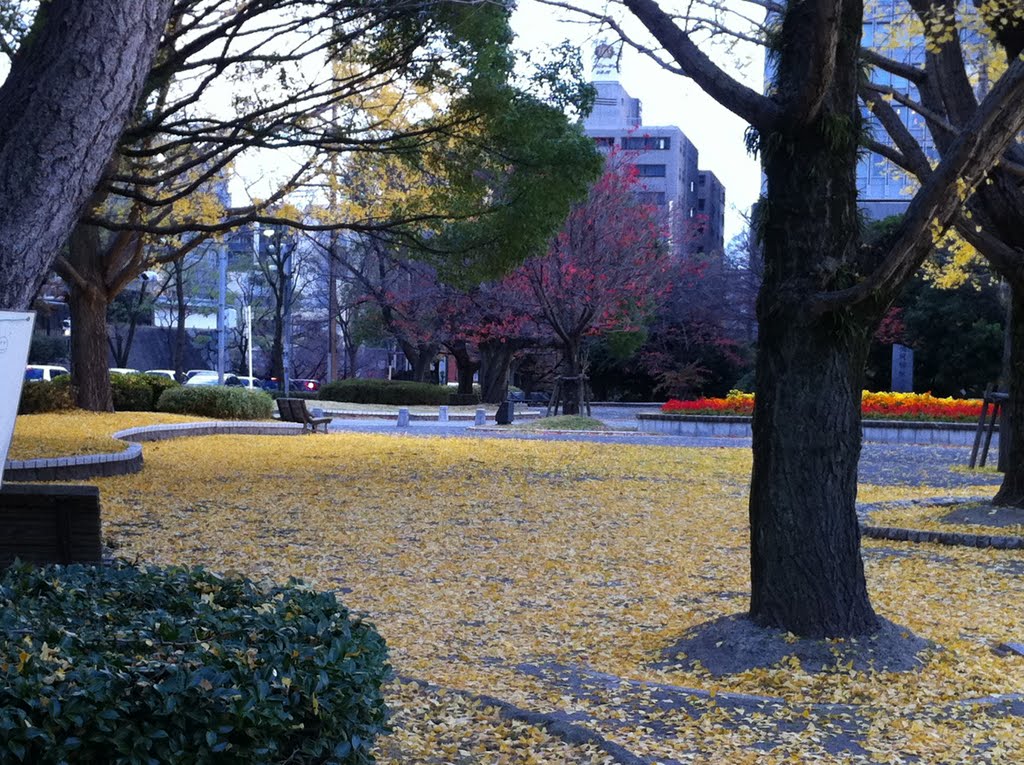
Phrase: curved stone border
[879,431]
[145,433]
[75,468]
[951,538]
[130,460]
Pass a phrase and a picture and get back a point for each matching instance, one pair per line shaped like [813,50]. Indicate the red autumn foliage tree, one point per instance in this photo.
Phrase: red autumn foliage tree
[604,271]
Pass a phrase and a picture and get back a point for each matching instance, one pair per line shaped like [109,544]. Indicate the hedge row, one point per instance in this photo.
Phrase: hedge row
[46,396]
[393,392]
[139,392]
[127,666]
[217,401]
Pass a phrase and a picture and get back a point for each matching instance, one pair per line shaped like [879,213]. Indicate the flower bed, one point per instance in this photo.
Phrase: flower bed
[875,406]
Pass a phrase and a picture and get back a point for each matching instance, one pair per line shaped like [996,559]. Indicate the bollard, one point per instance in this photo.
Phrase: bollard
[442,414]
[481,417]
[403,417]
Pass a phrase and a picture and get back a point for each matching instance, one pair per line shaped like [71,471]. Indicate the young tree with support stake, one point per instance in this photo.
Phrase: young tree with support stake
[824,293]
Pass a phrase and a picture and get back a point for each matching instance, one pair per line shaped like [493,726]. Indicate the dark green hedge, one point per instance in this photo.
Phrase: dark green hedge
[217,401]
[129,666]
[392,392]
[42,396]
[138,392]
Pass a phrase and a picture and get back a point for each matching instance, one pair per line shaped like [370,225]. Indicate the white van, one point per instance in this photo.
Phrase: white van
[43,372]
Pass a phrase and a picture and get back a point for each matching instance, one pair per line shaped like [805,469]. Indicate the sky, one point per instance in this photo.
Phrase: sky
[670,99]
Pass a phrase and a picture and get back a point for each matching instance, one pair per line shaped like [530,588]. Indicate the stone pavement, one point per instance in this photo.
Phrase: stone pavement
[941,467]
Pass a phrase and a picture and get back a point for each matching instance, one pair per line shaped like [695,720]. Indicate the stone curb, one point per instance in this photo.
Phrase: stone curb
[75,468]
[874,431]
[145,433]
[555,723]
[343,414]
[954,539]
[130,460]
[950,538]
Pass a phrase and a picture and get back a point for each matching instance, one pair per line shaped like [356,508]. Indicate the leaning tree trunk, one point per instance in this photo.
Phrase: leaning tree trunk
[807,575]
[63,106]
[1011,492]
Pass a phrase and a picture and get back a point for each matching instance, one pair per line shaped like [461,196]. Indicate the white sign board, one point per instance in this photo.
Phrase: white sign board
[606,61]
[15,336]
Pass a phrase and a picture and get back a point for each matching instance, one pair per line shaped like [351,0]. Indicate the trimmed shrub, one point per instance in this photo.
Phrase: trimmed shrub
[42,396]
[463,399]
[131,393]
[216,401]
[128,665]
[391,392]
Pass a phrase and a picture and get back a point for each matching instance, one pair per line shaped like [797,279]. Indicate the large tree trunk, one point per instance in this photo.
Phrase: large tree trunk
[495,360]
[465,366]
[807,575]
[806,571]
[62,109]
[88,302]
[1011,433]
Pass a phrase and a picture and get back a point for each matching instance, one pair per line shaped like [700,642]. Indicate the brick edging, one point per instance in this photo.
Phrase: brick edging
[130,460]
[952,538]
[75,468]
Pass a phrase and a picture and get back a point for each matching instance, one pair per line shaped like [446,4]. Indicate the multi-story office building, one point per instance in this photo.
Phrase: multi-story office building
[666,162]
[882,188]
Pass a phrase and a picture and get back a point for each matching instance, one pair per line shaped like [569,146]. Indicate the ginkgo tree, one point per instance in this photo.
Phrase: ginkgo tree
[967,47]
[63,106]
[824,289]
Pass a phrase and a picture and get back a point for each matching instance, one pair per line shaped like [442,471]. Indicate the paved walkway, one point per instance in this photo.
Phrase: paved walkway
[941,467]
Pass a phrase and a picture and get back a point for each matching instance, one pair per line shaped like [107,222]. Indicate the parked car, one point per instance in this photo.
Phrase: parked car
[43,372]
[297,384]
[123,371]
[168,373]
[193,372]
[252,383]
[212,378]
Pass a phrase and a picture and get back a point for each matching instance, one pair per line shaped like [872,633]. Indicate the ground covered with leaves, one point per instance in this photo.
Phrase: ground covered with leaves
[65,434]
[558,577]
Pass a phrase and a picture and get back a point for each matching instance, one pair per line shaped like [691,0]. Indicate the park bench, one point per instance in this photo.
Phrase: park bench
[294,410]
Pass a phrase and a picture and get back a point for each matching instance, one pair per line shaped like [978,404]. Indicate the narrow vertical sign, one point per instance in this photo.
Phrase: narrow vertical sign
[902,368]
[15,336]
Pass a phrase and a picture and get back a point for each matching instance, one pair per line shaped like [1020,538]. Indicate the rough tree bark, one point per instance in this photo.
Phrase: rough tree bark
[822,297]
[62,108]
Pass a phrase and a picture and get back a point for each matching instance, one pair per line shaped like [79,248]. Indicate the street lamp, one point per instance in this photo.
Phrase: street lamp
[275,235]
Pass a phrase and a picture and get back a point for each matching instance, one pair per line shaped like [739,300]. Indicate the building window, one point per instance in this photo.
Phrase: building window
[651,171]
[700,205]
[651,197]
[604,142]
[691,187]
[647,143]
[702,179]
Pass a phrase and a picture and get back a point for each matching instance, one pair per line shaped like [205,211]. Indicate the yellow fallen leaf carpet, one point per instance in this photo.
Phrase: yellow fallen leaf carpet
[554,576]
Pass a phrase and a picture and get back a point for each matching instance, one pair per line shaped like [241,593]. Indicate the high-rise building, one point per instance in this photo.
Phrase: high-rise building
[665,161]
[883,189]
